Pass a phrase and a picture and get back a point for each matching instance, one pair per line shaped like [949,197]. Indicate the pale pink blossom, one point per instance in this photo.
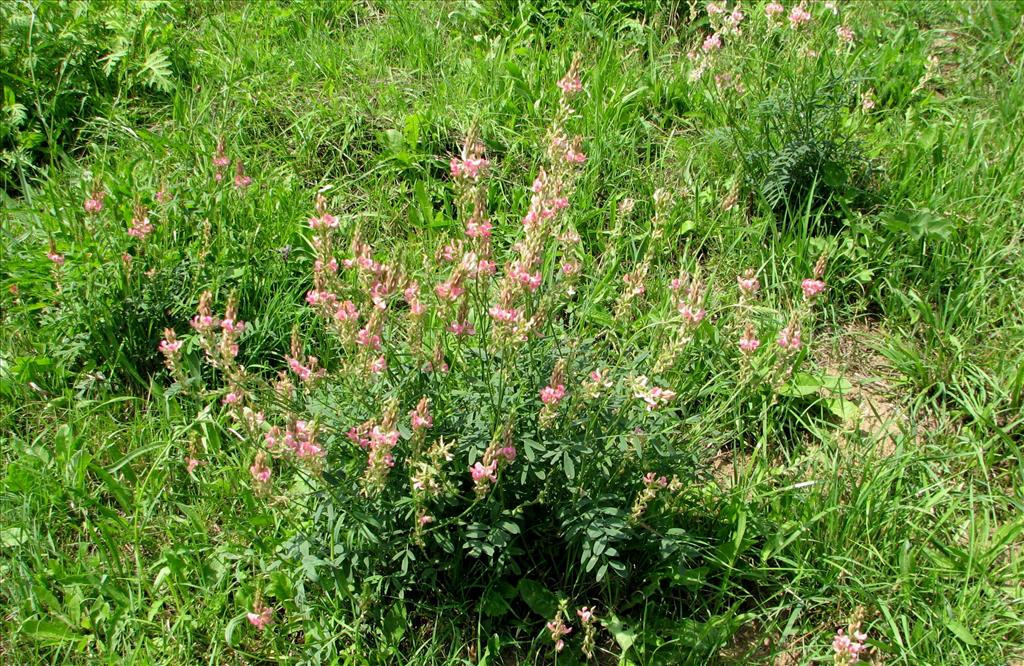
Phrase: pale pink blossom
[789,338]
[94,204]
[368,339]
[420,417]
[378,365]
[259,470]
[570,85]
[170,347]
[749,342]
[773,9]
[483,473]
[241,180]
[346,312]
[798,16]
[552,395]
[847,649]
[585,614]
[504,315]
[845,34]
[692,315]
[56,258]
[461,328]
[652,480]
[712,43]
[260,617]
[812,288]
[425,520]
[748,282]
[574,157]
[479,229]
[191,464]
[231,398]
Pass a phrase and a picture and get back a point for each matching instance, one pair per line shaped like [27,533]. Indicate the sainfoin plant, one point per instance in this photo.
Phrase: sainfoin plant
[463,435]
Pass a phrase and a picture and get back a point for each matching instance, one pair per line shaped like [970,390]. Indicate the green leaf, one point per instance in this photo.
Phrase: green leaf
[623,636]
[541,601]
[844,409]
[568,466]
[803,385]
[960,631]
[48,632]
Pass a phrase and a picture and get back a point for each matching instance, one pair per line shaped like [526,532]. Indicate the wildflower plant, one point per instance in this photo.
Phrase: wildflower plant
[456,425]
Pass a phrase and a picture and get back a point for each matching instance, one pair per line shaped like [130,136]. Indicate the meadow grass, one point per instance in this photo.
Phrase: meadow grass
[881,481]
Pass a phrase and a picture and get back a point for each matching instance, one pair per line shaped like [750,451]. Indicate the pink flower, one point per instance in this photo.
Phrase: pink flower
[378,365]
[57,259]
[231,326]
[773,9]
[749,342]
[420,417]
[692,315]
[170,347]
[425,520]
[654,481]
[570,268]
[570,85]
[93,205]
[848,650]
[449,291]
[575,156]
[552,395]
[585,614]
[260,472]
[241,180]
[508,453]
[798,16]
[365,338]
[461,328]
[812,288]
[483,473]
[789,338]
[260,617]
[748,283]
[191,464]
[161,196]
[712,42]
[714,10]
[504,315]
[845,34]
[346,312]
[231,398]
[140,227]
[479,229]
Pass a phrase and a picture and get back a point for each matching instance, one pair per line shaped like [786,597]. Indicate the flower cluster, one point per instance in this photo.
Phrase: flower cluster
[849,646]
[140,227]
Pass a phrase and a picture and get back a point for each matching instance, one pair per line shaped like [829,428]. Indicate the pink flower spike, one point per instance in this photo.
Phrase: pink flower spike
[748,282]
[483,473]
[260,617]
[749,342]
[712,43]
[812,288]
[773,9]
[191,464]
[57,259]
[378,365]
[798,16]
[552,395]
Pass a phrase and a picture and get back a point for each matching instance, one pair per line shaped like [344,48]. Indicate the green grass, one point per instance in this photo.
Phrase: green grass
[111,552]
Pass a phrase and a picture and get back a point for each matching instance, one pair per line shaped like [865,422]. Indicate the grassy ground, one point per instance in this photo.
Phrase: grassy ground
[885,483]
